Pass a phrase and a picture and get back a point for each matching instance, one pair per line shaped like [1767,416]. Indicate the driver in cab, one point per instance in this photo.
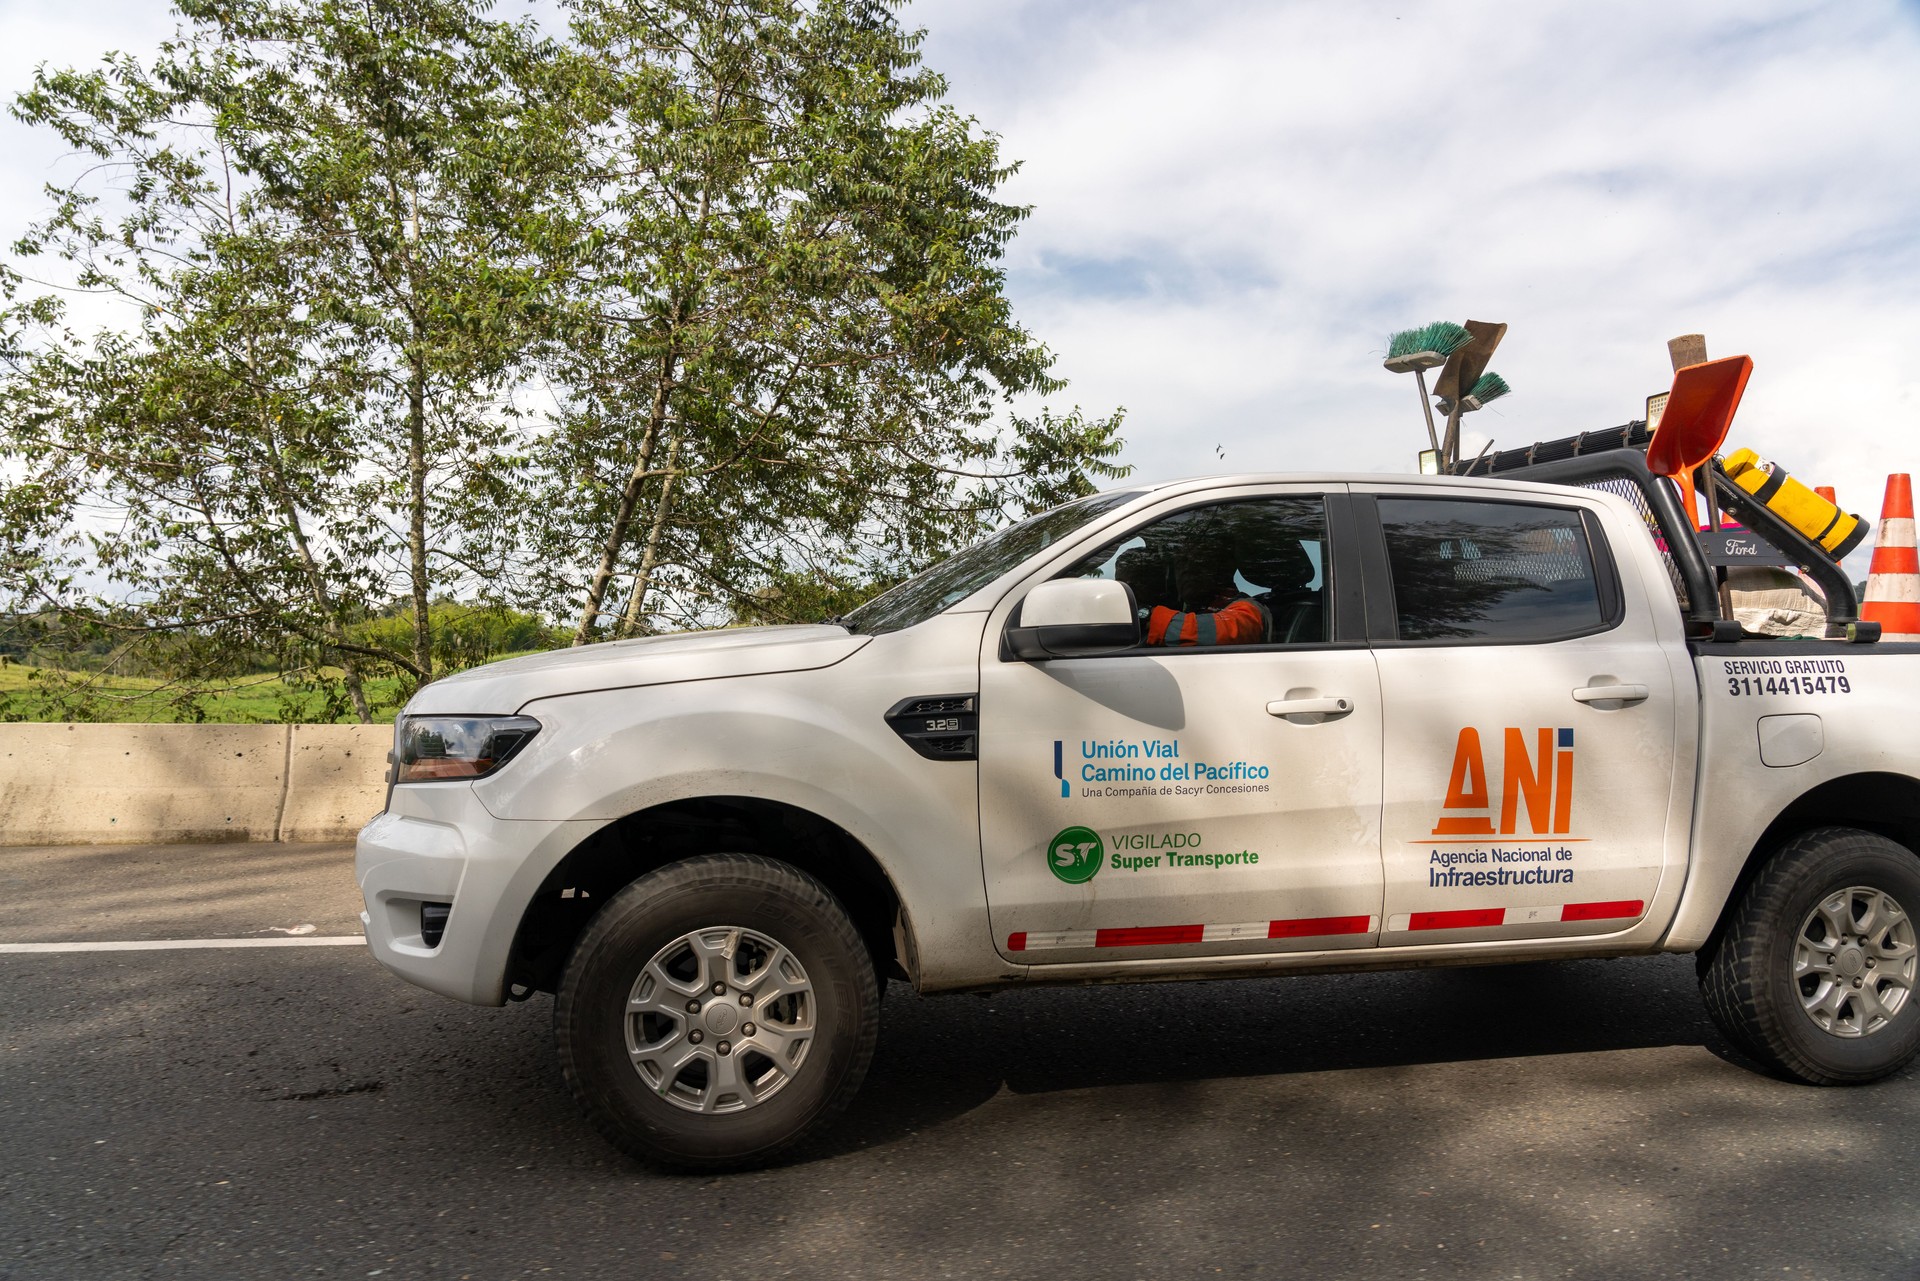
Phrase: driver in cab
[1215,611]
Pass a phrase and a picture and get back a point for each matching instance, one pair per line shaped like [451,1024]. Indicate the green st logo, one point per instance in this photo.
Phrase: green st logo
[1075,854]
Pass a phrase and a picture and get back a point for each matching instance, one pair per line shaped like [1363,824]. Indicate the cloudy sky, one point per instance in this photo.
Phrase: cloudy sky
[1234,203]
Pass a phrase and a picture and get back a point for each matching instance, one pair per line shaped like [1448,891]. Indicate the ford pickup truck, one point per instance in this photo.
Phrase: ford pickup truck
[1478,721]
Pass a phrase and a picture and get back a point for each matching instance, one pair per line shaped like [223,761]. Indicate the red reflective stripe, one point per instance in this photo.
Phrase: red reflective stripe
[1316,926]
[1899,499]
[1468,920]
[1150,936]
[1017,942]
[1895,560]
[1899,617]
[1603,911]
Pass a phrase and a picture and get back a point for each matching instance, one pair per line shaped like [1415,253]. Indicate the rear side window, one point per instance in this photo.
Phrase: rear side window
[1479,570]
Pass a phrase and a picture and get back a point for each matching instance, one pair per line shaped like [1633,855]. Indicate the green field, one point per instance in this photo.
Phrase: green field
[54,694]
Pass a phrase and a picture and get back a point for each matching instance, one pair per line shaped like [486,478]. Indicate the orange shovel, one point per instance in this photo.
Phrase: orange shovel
[1699,411]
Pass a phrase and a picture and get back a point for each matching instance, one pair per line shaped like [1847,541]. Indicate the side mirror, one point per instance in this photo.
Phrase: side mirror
[1071,617]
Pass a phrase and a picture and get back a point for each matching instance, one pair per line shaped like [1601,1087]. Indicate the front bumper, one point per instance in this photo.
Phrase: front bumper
[437,844]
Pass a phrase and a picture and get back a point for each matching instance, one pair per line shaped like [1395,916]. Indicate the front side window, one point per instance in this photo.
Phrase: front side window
[1475,569]
[1251,572]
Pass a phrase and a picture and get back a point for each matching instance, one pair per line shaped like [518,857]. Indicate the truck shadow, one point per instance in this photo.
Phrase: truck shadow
[942,1056]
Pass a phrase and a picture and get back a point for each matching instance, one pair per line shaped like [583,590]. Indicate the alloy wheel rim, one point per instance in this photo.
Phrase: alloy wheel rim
[720,1020]
[1854,961]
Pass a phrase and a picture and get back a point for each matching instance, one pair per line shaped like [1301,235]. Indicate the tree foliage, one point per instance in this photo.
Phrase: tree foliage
[321,215]
[693,312]
[792,330]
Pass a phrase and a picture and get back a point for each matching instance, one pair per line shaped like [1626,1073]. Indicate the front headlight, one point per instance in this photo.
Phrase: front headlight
[435,749]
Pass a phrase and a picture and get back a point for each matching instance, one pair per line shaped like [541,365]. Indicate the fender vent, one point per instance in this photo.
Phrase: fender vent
[941,727]
[954,705]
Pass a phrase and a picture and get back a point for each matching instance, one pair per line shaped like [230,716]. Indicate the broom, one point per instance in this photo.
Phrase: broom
[1460,376]
[1418,350]
[1490,387]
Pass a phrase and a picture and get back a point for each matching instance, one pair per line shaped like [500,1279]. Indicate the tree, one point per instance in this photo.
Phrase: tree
[693,313]
[329,221]
[788,334]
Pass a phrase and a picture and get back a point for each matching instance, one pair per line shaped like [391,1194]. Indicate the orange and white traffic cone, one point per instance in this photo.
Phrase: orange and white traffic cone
[1893,580]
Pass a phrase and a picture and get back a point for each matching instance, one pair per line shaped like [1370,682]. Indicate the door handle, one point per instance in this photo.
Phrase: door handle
[1321,707]
[1610,693]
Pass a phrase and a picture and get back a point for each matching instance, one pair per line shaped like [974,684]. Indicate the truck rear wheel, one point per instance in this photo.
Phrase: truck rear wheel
[716,1012]
[1815,974]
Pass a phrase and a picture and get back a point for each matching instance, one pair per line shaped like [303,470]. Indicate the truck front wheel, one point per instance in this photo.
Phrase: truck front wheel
[717,1011]
[1814,976]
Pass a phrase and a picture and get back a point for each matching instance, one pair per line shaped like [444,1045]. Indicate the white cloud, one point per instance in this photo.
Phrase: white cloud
[55,36]
[1234,203]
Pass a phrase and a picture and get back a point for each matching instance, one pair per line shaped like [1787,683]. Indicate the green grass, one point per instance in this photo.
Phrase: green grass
[55,694]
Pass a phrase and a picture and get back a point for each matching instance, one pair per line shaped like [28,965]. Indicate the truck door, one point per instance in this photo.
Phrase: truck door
[1529,720]
[1201,799]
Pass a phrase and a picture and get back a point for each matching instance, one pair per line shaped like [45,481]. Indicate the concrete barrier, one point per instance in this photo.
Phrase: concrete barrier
[336,780]
[135,784]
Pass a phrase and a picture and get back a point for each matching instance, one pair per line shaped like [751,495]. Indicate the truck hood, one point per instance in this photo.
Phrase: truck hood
[500,688]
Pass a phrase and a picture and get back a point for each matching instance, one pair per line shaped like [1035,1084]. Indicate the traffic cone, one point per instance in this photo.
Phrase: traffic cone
[1893,580]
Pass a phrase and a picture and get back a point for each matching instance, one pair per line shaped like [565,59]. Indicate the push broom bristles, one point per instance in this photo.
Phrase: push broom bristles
[1491,386]
[1426,347]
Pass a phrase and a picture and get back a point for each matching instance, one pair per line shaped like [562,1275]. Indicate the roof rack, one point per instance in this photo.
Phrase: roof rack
[1633,435]
[1618,454]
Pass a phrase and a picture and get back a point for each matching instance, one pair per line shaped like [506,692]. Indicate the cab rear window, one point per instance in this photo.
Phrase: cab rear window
[1481,570]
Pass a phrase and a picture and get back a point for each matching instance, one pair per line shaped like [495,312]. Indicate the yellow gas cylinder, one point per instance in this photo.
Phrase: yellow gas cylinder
[1835,531]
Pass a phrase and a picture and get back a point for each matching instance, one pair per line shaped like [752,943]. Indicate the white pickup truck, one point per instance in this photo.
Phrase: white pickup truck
[1481,721]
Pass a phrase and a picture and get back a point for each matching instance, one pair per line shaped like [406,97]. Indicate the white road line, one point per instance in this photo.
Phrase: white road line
[174,945]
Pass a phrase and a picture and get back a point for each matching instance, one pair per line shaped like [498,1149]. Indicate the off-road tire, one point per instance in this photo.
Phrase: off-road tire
[1748,978]
[757,894]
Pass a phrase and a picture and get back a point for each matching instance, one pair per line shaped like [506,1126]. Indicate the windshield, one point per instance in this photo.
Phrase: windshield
[919,599]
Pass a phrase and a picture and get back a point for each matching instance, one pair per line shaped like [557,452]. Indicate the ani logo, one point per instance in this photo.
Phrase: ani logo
[1543,779]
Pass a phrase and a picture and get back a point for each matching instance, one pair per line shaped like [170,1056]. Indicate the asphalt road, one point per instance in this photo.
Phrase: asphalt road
[294,1111]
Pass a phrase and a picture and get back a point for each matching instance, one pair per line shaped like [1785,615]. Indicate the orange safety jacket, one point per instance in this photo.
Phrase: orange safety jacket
[1241,622]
